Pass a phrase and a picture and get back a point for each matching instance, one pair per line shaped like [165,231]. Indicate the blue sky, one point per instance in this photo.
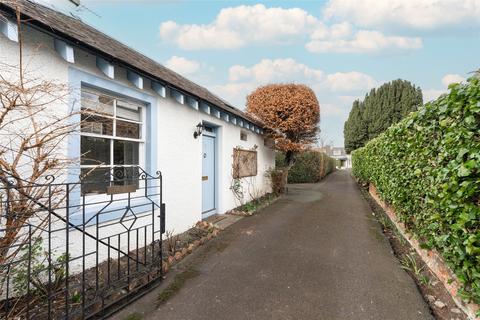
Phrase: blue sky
[340,48]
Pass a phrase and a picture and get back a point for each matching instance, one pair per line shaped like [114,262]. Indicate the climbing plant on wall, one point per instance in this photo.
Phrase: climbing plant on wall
[428,168]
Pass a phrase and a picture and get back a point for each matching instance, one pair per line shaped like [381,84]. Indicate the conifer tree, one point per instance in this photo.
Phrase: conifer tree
[381,108]
[355,131]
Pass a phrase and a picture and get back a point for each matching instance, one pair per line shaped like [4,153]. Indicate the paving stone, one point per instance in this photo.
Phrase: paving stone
[456,310]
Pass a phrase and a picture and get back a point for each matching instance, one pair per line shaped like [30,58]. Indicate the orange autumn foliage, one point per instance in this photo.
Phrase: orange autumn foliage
[290,113]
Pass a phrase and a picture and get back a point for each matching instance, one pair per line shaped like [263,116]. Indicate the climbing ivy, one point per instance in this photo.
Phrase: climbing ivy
[427,167]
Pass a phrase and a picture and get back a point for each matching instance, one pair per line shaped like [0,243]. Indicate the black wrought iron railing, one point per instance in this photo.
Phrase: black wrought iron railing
[70,254]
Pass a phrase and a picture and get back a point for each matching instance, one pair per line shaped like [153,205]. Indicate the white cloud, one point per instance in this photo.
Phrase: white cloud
[339,30]
[168,29]
[364,41]
[414,14]
[349,99]
[236,26]
[349,81]
[452,78]
[432,94]
[238,72]
[278,70]
[192,37]
[331,110]
[244,79]
[183,65]
[235,93]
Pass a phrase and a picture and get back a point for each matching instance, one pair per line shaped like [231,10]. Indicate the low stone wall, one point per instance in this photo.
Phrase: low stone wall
[432,258]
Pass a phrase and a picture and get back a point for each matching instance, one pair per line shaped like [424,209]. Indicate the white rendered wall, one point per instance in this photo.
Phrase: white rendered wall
[179,154]
[180,159]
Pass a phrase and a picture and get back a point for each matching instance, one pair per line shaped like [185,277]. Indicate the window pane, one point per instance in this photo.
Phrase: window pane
[128,129]
[125,152]
[95,180]
[98,125]
[243,136]
[123,176]
[97,102]
[129,111]
[95,151]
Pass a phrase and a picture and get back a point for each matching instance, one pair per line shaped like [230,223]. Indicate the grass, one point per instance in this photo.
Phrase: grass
[255,204]
[425,280]
[176,284]
[384,221]
[134,316]
[409,263]
[250,206]
[400,237]
[388,225]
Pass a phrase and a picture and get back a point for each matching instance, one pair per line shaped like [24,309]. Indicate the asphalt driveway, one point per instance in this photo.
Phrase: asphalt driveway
[315,254]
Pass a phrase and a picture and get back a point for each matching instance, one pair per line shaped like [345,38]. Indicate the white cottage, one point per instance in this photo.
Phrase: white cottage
[132,117]
[142,114]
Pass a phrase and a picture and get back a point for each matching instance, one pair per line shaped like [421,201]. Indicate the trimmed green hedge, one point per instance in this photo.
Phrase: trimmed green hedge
[310,167]
[428,168]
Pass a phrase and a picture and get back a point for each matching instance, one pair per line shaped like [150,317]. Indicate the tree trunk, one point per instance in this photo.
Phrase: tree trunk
[322,166]
[290,158]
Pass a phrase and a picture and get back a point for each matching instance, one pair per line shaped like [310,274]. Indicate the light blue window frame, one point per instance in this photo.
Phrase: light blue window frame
[77,79]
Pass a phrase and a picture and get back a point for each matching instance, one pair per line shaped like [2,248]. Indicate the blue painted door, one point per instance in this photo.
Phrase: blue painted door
[208,175]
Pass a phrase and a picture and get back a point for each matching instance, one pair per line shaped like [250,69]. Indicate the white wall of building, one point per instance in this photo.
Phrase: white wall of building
[179,155]
[180,159]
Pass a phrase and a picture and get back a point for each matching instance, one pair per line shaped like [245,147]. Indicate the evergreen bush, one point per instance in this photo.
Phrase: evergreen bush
[427,167]
[381,108]
[310,167]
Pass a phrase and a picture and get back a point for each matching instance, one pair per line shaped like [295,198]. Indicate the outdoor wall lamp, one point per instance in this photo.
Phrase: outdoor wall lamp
[199,130]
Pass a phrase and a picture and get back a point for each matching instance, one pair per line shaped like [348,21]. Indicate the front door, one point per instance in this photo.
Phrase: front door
[208,172]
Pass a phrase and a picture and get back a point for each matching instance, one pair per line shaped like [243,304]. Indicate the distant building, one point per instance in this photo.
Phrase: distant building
[344,159]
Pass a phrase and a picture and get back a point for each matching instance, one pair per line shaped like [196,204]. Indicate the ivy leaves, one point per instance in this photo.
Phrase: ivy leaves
[428,167]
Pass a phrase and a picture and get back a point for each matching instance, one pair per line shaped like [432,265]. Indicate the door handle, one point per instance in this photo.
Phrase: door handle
[204,178]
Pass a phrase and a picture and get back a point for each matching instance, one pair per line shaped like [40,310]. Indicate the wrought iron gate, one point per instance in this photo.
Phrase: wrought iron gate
[67,252]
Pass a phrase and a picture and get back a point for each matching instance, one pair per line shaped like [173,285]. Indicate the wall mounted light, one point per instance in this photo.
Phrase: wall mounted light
[199,130]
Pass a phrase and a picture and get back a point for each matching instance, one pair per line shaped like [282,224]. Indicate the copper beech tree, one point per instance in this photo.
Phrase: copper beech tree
[290,113]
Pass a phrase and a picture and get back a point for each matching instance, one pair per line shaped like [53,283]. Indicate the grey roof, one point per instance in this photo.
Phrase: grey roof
[76,32]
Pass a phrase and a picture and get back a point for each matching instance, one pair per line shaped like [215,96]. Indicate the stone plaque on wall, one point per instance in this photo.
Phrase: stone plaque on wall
[244,163]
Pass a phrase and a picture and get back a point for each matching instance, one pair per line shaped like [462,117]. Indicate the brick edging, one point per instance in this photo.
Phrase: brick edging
[432,258]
